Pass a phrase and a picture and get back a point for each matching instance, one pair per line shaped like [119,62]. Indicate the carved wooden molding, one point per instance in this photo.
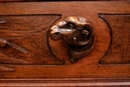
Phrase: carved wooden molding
[69,82]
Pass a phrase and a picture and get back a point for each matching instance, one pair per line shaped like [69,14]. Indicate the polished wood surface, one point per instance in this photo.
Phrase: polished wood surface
[119,50]
[33,59]
[52,0]
[77,35]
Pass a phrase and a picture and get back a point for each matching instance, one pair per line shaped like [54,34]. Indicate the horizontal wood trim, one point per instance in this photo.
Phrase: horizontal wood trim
[11,0]
[52,0]
[93,84]
[70,82]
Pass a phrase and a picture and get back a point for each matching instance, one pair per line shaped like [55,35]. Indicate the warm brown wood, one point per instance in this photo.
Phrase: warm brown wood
[23,32]
[77,35]
[12,0]
[119,51]
[1,1]
[39,61]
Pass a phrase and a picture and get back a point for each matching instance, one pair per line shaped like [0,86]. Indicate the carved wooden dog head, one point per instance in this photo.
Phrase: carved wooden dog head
[74,31]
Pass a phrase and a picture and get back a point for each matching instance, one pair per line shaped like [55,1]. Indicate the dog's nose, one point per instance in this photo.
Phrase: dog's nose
[54,33]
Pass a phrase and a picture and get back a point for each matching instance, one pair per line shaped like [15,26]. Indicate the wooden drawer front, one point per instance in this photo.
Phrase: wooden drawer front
[28,54]
[27,32]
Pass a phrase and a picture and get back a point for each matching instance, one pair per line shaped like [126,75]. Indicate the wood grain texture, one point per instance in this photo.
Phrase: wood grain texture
[52,0]
[29,32]
[119,51]
[87,71]
[23,32]
[70,82]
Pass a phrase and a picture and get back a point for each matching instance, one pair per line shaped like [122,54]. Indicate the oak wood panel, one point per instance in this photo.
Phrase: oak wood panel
[88,67]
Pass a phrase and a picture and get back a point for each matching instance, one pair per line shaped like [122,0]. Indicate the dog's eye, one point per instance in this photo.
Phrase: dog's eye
[70,26]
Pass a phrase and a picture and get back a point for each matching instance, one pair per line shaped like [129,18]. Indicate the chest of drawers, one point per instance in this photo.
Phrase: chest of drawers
[65,43]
